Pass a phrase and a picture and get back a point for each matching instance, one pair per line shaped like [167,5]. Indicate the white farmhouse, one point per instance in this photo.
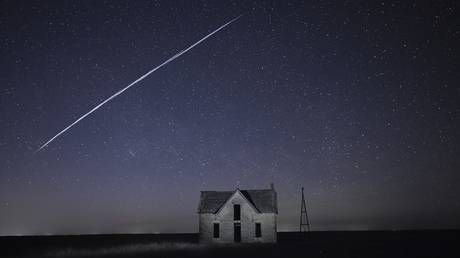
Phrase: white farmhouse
[247,216]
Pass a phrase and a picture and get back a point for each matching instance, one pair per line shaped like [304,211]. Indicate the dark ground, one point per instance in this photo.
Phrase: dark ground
[433,243]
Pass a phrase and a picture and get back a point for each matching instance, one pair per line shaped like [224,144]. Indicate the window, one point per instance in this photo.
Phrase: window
[216,230]
[258,230]
[236,212]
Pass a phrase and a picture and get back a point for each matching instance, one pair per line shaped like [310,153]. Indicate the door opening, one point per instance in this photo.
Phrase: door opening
[237,232]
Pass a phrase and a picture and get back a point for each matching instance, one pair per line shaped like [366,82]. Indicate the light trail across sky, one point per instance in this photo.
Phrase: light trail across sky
[134,82]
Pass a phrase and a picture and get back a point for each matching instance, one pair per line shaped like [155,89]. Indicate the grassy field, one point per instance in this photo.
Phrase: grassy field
[290,244]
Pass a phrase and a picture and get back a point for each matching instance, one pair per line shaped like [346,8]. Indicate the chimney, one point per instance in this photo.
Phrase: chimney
[272,186]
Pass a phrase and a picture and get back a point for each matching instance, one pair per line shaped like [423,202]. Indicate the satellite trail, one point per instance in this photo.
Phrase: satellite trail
[134,82]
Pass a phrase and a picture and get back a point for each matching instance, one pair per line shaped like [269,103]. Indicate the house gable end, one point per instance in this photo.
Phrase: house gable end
[237,192]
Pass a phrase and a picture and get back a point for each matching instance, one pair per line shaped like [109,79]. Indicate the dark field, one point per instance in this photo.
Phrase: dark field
[317,244]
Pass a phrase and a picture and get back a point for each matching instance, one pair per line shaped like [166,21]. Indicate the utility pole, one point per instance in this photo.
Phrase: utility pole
[304,222]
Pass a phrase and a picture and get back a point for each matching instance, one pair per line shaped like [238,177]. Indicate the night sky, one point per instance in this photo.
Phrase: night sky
[357,101]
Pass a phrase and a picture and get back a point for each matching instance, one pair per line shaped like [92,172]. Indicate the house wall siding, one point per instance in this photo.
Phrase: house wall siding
[248,219]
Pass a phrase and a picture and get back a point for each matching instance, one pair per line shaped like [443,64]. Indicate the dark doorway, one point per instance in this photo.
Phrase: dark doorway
[237,232]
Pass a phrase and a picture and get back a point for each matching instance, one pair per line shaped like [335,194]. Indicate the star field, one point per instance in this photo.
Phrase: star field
[356,101]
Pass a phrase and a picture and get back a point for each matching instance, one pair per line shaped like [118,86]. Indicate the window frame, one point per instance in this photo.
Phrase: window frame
[216,230]
[236,218]
[258,229]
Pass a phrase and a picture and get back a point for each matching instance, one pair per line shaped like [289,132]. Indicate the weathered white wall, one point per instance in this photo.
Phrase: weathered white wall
[248,219]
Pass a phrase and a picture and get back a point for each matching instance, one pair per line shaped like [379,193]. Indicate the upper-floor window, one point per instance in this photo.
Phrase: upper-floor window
[236,212]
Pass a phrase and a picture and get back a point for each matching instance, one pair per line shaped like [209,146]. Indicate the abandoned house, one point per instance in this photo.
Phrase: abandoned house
[246,216]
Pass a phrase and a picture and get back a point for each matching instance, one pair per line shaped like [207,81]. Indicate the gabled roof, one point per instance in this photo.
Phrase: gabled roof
[264,200]
[244,198]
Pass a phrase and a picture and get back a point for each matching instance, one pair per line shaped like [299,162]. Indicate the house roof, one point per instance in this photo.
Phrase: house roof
[263,200]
